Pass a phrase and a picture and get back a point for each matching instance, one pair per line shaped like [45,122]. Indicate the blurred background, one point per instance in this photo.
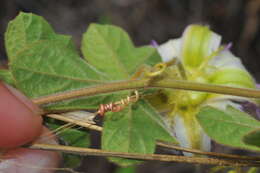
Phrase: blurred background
[145,20]
[236,20]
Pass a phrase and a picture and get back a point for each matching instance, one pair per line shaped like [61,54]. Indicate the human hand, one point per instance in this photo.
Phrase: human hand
[21,123]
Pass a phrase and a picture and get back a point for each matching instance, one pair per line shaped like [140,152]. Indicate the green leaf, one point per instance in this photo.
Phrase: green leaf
[6,76]
[130,169]
[76,138]
[252,138]
[71,161]
[27,29]
[49,67]
[111,51]
[43,64]
[227,127]
[134,130]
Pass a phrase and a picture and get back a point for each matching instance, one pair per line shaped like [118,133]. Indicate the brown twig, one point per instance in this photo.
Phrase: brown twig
[162,144]
[213,154]
[157,157]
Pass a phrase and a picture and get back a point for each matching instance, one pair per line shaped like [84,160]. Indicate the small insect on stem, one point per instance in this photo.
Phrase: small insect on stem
[88,119]
[119,105]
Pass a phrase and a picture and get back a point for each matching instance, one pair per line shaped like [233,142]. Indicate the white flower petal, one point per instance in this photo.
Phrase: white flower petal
[229,71]
[184,138]
[222,103]
[226,60]
[181,133]
[214,43]
[170,49]
[205,141]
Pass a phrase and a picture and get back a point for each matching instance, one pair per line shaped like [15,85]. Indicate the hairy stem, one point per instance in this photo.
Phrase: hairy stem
[212,154]
[147,83]
[160,143]
[75,122]
[158,157]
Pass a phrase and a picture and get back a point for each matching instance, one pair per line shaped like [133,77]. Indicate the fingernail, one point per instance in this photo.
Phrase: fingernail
[27,102]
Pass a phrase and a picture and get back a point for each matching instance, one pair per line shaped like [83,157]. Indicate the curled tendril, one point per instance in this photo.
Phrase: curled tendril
[157,70]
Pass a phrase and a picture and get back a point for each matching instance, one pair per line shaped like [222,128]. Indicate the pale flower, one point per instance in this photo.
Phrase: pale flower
[203,60]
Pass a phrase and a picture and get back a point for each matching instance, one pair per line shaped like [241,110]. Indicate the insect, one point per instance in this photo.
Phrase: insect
[119,105]
[88,119]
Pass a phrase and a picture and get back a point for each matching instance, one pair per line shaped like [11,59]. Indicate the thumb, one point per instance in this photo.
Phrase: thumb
[20,120]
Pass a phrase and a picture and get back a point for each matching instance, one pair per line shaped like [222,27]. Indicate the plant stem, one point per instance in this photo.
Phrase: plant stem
[160,143]
[158,157]
[76,122]
[147,83]
[212,154]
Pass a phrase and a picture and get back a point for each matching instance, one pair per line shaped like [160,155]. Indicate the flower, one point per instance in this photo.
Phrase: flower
[204,60]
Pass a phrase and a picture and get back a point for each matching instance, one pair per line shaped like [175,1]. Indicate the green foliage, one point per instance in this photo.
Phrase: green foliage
[252,138]
[28,29]
[110,50]
[6,76]
[130,169]
[227,127]
[134,130]
[48,68]
[42,62]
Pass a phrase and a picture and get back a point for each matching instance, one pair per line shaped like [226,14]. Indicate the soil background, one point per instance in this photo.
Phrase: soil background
[145,20]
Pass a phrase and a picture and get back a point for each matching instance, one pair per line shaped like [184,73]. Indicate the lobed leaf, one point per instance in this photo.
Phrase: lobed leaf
[27,29]
[54,67]
[111,51]
[44,63]
[49,68]
[227,127]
